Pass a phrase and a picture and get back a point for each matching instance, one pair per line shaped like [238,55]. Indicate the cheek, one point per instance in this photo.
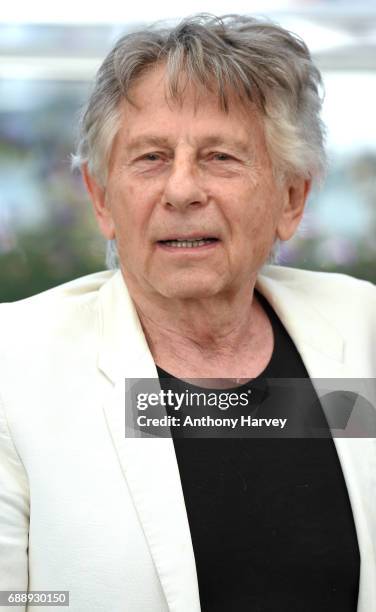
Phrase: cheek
[125,211]
[264,208]
[257,224]
[256,219]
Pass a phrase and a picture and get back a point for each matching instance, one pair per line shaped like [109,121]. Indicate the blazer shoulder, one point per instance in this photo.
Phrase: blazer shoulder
[321,285]
[61,307]
[78,287]
[347,303]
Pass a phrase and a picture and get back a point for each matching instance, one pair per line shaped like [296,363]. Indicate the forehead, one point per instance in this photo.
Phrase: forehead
[151,106]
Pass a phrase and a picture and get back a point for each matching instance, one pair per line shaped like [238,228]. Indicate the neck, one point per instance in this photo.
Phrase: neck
[189,334]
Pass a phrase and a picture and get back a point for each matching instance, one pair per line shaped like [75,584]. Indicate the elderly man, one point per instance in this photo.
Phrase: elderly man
[198,148]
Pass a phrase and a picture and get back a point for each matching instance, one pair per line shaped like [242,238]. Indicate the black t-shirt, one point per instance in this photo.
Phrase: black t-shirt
[270,519]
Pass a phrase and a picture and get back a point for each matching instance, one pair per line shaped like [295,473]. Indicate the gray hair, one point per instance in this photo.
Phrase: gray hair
[255,59]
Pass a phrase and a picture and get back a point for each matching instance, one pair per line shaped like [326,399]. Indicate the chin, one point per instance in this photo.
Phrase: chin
[190,289]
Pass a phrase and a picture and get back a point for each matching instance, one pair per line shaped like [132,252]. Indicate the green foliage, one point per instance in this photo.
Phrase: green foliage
[49,256]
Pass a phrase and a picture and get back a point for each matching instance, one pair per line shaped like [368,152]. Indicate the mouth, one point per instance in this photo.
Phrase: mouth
[190,243]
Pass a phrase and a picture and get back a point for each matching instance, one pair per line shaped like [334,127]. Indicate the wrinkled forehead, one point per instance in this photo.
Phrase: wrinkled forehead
[153,117]
[183,89]
[194,117]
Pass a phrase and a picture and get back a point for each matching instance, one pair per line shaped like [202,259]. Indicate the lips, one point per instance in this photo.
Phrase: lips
[189,238]
[190,243]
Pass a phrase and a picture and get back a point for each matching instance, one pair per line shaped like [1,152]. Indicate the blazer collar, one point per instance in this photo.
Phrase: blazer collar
[124,350]
[320,345]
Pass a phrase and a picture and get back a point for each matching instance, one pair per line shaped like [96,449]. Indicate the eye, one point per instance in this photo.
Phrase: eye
[221,156]
[151,157]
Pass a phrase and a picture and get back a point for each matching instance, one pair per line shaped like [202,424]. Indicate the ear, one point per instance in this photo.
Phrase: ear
[295,196]
[100,205]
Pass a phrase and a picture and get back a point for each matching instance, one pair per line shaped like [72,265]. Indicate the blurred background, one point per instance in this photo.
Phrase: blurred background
[48,58]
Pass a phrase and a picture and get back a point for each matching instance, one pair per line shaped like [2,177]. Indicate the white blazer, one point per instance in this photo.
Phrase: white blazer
[86,510]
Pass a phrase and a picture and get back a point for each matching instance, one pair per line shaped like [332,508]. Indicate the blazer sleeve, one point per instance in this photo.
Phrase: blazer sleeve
[14,515]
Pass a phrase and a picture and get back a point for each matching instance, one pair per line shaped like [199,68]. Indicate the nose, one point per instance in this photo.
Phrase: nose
[183,188]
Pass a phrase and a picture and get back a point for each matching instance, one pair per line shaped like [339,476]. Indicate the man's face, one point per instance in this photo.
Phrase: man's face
[183,172]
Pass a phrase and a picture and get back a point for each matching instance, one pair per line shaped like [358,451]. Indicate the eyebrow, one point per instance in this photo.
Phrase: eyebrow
[208,141]
[142,141]
[220,141]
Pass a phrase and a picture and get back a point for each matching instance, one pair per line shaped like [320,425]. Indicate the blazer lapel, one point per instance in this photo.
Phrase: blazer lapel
[149,465]
[319,344]
[323,352]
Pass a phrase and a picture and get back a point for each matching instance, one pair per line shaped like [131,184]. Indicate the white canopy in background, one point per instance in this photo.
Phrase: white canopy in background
[113,11]
[340,35]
